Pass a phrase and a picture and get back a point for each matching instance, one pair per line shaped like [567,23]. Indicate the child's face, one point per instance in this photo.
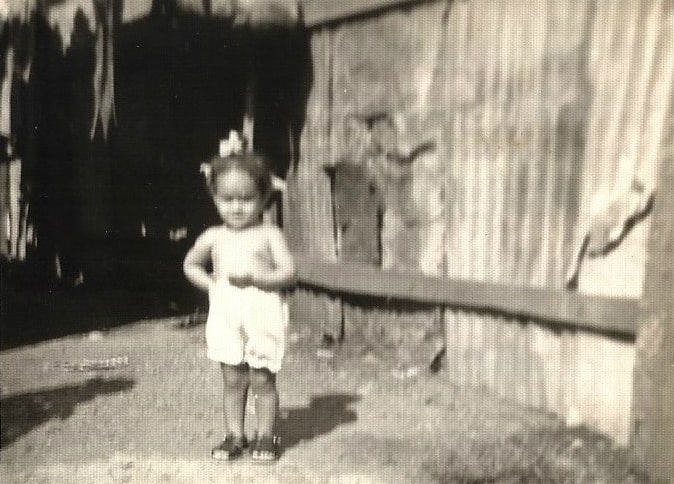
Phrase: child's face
[237,199]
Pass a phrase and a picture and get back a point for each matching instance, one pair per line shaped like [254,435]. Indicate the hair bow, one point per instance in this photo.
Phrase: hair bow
[233,145]
[206,170]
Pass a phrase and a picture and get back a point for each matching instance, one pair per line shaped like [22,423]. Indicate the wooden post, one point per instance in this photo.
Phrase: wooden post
[653,416]
[5,134]
[309,222]
[248,128]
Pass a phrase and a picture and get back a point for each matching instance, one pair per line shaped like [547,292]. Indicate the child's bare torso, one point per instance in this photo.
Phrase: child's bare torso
[241,251]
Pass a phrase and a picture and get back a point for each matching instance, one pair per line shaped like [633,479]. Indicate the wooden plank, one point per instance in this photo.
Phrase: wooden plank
[354,199]
[317,12]
[248,123]
[5,233]
[309,216]
[5,133]
[356,233]
[599,313]
[16,220]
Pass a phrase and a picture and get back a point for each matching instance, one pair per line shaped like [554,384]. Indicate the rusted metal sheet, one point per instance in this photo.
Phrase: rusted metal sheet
[534,113]
[515,110]
[630,60]
[630,73]
[538,112]
[529,113]
[506,181]
[375,131]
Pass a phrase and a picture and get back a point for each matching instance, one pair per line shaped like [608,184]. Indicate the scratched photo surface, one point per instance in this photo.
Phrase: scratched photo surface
[478,199]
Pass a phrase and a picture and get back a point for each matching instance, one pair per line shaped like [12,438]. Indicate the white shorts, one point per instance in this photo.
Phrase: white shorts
[246,325]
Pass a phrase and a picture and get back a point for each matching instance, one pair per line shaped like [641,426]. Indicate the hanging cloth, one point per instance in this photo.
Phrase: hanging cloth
[104,73]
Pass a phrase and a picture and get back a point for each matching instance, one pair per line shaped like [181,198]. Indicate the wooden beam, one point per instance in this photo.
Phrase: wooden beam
[597,313]
[318,12]
[248,123]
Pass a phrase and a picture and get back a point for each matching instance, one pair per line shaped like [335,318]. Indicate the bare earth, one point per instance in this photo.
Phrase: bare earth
[345,419]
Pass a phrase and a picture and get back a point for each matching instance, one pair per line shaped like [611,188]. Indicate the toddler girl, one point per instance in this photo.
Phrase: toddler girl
[247,318]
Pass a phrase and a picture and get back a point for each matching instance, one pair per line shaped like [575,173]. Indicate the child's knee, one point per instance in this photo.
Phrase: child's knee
[262,379]
[234,376]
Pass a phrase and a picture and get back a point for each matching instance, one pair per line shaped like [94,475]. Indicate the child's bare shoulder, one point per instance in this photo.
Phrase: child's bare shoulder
[210,235]
[271,230]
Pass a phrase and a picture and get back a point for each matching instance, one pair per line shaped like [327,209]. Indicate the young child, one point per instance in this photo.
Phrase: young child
[247,318]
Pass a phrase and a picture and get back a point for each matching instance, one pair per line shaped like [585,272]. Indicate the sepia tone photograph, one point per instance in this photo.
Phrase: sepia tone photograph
[336,241]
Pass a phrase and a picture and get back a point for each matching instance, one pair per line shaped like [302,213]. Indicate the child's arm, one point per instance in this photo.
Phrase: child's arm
[194,265]
[283,274]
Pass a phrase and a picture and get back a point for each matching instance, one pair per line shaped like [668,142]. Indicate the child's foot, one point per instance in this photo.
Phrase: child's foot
[231,448]
[265,449]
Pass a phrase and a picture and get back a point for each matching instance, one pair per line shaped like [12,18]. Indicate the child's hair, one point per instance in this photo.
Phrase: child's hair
[254,164]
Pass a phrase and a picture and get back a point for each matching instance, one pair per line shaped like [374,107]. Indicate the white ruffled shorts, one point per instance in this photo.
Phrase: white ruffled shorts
[246,325]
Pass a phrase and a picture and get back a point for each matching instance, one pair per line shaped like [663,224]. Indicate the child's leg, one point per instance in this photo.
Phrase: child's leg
[235,381]
[263,383]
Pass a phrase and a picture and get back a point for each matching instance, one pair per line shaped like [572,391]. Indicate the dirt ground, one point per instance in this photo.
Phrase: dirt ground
[346,418]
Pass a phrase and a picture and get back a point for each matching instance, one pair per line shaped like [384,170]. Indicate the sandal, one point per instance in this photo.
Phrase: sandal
[265,450]
[229,449]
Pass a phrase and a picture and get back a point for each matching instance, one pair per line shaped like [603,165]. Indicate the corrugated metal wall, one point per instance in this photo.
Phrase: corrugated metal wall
[569,88]
[582,85]
[530,107]
[516,126]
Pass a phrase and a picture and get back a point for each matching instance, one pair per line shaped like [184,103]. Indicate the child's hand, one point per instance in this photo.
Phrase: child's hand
[240,278]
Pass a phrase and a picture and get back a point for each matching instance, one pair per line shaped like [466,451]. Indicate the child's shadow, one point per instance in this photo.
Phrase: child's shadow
[324,413]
